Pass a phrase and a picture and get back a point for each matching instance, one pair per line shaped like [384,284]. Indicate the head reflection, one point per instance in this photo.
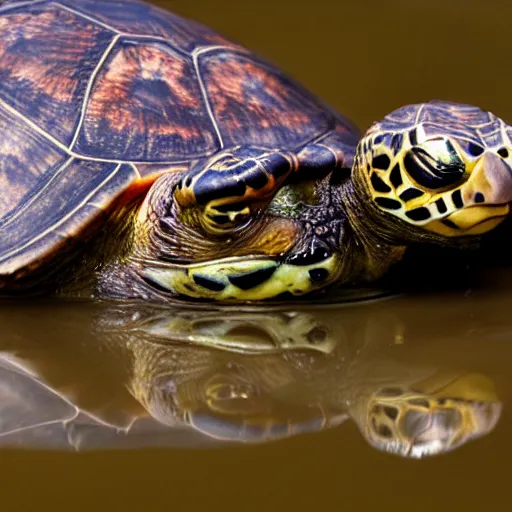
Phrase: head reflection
[419,424]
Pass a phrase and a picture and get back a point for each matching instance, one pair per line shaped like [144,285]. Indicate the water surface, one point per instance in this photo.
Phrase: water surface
[133,405]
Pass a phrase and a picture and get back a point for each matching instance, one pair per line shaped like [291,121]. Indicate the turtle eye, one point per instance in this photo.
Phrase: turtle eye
[434,164]
[473,149]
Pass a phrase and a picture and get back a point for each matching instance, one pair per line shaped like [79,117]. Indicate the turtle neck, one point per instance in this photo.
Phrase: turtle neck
[374,240]
[370,247]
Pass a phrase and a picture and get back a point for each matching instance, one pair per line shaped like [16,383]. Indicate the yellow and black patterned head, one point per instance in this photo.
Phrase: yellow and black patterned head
[442,167]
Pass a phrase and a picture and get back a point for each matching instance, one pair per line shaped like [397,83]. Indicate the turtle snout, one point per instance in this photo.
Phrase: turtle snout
[490,182]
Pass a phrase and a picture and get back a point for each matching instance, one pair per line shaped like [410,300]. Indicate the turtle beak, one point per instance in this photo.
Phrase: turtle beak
[490,182]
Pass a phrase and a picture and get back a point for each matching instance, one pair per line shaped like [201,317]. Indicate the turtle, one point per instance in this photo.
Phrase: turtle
[144,156]
[147,375]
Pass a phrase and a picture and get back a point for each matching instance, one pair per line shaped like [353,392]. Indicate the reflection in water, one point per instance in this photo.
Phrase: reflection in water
[103,376]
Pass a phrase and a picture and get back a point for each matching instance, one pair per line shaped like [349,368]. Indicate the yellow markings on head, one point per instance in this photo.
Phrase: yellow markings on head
[434,183]
[472,221]
[254,279]
[185,196]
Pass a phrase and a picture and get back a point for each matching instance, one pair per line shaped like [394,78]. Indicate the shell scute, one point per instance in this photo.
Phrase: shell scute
[67,197]
[464,122]
[25,156]
[255,104]
[146,105]
[446,112]
[47,55]
[138,18]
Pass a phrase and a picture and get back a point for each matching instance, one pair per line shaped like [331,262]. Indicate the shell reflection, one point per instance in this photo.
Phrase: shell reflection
[129,376]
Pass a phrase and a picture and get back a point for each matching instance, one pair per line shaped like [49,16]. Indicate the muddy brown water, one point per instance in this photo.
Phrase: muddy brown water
[82,384]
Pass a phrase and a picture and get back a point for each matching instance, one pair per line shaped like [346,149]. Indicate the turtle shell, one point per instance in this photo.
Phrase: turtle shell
[33,415]
[97,97]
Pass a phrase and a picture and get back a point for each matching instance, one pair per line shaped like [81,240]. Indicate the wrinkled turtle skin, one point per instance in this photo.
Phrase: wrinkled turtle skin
[132,376]
[144,156]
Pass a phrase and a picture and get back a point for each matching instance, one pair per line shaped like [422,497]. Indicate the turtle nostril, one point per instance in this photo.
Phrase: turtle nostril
[479,197]
[503,152]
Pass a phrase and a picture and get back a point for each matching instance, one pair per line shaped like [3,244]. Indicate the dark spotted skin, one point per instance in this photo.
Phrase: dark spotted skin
[418,214]
[441,205]
[208,283]
[252,279]
[97,97]
[395,176]
[410,193]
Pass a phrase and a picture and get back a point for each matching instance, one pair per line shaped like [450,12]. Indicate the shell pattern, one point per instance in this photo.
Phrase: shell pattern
[97,95]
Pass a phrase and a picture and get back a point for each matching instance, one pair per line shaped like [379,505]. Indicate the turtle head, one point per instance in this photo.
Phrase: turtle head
[443,169]
[416,424]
